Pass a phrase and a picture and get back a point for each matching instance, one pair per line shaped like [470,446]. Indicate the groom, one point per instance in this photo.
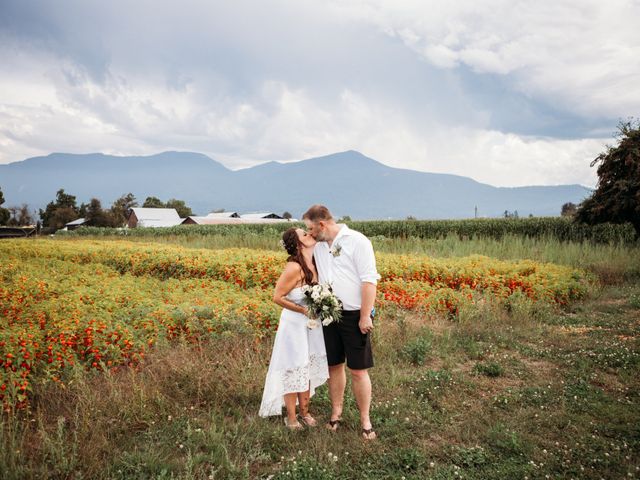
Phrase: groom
[345,259]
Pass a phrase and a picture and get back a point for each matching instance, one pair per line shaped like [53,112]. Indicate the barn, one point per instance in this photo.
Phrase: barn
[153,217]
[75,224]
[234,218]
[261,216]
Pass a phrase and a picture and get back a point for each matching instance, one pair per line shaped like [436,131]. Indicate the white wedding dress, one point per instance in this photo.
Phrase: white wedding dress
[298,361]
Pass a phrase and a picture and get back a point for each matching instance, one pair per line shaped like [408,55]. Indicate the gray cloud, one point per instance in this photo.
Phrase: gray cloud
[281,80]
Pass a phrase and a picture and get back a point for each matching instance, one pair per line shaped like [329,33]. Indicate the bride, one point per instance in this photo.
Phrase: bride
[299,360]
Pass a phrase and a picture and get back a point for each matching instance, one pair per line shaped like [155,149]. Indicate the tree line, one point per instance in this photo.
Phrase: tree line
[64,209]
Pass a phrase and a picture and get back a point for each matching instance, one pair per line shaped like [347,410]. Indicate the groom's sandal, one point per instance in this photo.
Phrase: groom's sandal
[369,434]
[334,424]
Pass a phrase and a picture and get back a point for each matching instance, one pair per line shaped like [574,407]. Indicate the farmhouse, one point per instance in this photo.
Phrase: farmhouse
[233,218]
[213,219]
[75,224]
[195,220]
[153,217]
[223,215]
[261,216]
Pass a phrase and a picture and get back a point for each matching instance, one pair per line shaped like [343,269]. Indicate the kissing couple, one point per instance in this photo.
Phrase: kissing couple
[304,358]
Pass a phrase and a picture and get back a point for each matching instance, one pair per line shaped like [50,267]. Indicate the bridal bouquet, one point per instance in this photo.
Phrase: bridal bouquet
[323,305]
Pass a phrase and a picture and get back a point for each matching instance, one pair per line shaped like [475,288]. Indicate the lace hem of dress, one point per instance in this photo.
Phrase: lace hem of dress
[292,380]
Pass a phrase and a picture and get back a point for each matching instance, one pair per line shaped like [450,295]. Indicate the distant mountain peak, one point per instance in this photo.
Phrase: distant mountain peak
[348,157]
[348,182]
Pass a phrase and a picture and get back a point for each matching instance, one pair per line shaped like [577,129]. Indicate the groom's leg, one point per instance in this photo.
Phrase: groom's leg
[337,383]
[359,359]
[361,384]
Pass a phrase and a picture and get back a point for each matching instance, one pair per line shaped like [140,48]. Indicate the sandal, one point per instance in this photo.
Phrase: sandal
[334,424]
[292,426]
[367,432]
[308,420]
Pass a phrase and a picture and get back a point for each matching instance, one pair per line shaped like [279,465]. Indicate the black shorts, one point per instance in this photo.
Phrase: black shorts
[344,339]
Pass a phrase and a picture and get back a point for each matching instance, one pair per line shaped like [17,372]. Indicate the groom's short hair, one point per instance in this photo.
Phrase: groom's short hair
[317,213]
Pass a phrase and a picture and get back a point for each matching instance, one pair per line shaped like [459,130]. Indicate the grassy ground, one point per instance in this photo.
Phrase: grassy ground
[530,393]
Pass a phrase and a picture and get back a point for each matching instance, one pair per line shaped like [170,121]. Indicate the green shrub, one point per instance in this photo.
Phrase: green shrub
[490,369]
[416,350]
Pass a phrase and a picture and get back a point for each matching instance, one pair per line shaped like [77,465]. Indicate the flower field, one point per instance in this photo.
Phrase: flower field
[103,304]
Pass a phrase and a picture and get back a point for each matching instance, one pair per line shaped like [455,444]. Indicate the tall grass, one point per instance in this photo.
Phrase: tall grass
[611,260]
[615,256]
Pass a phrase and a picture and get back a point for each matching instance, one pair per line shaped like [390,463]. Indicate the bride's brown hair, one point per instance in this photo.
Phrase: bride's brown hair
[293,246]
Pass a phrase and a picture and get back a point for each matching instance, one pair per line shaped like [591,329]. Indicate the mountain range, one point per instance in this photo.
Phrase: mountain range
[349,183]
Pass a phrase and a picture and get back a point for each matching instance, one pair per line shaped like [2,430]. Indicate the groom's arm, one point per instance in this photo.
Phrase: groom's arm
[365,262]
[368,299]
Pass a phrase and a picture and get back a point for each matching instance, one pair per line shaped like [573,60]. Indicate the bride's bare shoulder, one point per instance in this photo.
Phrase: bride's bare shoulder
[292,268]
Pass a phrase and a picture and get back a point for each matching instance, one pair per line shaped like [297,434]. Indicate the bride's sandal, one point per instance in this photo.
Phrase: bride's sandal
[308,420]
[292,426]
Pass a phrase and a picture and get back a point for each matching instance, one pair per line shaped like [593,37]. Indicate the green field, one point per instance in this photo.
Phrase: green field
[527,391]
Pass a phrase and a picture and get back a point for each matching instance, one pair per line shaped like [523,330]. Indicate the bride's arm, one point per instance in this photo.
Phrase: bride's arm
[287,282]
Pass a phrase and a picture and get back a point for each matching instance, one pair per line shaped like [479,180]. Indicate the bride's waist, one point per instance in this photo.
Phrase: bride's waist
[286,311]
[297,301]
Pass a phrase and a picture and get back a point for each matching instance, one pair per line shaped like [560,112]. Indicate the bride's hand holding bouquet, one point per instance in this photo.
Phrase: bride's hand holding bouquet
[322,305]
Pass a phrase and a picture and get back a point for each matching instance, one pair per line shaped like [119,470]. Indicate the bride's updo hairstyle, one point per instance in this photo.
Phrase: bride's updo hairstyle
[292,245]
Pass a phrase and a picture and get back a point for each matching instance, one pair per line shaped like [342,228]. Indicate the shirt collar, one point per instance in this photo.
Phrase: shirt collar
[344,230]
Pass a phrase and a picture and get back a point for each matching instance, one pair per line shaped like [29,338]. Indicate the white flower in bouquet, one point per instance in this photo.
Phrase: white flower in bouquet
[327,321]
[323,304]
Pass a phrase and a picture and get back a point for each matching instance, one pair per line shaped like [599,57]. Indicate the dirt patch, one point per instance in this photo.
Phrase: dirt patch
[487,386]
[613,301]
[539,371]
[609,382]
[608,274]
[434,364]
[435,323]
[577,330]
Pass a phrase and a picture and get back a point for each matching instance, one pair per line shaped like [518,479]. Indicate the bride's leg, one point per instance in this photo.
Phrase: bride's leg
[303,401]
[290,403]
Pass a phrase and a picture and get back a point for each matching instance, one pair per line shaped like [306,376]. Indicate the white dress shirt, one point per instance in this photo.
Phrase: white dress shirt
[346,265]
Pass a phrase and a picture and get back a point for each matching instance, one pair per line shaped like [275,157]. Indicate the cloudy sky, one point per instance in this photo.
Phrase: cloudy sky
[507,92]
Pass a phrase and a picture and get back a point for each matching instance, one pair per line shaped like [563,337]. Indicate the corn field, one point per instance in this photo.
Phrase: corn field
[557,228]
